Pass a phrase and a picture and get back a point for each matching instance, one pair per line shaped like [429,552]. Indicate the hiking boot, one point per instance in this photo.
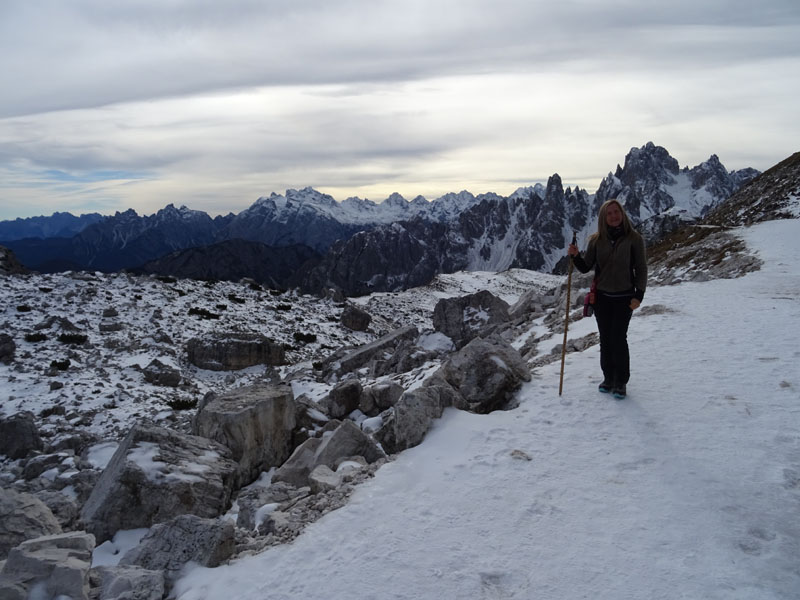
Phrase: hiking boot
[619,392]
[605,387]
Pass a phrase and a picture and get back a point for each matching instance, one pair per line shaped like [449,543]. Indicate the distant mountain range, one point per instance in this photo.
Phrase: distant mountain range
[359,246]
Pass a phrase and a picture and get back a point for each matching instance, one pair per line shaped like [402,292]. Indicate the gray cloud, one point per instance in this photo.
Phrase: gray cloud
[89,53]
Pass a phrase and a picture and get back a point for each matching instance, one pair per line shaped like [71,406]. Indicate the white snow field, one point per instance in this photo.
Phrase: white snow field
[689,488]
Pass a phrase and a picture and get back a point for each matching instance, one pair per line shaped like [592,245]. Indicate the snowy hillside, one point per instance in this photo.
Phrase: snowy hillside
[687,489]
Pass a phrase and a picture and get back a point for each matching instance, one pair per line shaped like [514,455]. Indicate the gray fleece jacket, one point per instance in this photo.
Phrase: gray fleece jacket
[620,267]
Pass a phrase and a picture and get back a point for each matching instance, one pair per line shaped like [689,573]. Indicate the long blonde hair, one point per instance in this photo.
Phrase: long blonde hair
[602,227]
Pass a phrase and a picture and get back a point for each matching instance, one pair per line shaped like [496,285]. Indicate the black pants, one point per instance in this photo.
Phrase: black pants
[613,316]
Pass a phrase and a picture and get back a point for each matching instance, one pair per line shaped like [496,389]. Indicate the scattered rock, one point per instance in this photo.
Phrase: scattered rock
[412,416]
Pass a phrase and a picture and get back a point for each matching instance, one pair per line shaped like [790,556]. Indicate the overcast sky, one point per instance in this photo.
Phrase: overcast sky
[108,105]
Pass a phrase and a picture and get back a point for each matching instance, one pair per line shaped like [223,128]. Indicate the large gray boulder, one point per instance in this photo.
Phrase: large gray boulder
[481,377]
[462,319]
[377,398]
[55,566]
[344,398]
[155,475]
[344,441]
[486,373]
[355,318]
[254,422]
[234,351]
[158,373]
[170,546]
[128,583]
[19,435]
[413,415]
[23,517]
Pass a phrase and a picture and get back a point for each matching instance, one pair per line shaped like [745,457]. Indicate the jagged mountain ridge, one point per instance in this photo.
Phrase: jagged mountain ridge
[527,229]
[59,224]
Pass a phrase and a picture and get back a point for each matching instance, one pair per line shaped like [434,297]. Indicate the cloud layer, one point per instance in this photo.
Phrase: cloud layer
[107,106]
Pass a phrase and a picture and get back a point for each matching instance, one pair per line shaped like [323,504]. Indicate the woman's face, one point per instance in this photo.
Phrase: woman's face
[613,215]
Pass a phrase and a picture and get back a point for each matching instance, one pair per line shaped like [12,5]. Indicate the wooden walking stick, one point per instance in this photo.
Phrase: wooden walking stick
[566,319]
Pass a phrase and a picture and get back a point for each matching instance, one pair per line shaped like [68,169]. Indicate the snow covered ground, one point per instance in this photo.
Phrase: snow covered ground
[690,488]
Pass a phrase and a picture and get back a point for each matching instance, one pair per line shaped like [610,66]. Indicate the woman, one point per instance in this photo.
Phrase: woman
[616,252]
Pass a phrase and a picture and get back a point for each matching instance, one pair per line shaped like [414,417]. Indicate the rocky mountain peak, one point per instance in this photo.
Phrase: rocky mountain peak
[650,162]
[9,265]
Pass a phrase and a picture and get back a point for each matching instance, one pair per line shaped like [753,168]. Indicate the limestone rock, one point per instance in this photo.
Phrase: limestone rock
[129,583]
[155,475]
[380,396]
[355,318]
[9,265]
[158,373]
[323,479]
[348,361]
[23,517]
[346,440]
[486,373]
[19,435]
[233,351]
[170,546]
[462,319]
[413,415]
[254,422]
[49,567]
[344,398]
[252,500]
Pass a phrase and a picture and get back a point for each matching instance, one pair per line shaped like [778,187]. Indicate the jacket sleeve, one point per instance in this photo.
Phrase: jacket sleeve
[585,262]
[639,268]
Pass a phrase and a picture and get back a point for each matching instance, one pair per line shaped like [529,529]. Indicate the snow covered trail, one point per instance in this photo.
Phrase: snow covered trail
[690,488]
